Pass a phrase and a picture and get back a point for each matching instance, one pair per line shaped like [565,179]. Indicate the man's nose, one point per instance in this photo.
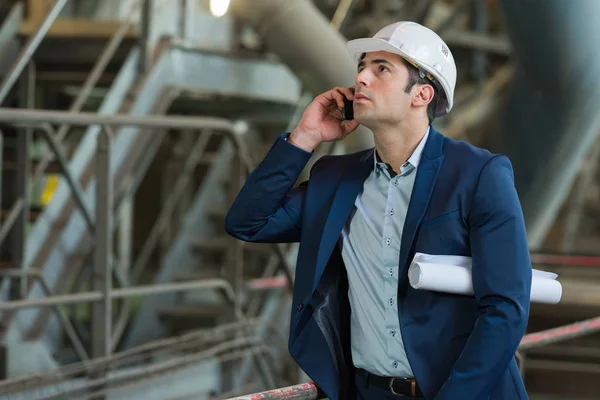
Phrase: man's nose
[362,78]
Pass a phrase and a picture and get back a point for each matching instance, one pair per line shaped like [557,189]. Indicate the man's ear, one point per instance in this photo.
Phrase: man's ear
[423,95]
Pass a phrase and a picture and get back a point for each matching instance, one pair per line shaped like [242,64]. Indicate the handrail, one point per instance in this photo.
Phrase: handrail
[103,291]
[559,334]
[120,293]
[303,391]
[32,44]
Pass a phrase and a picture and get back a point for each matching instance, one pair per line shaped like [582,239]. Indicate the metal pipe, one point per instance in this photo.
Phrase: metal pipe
[31,46]
[304,391]
[144,42]
[1,173]
[559,334]
[102,279]
[33,117]
[556,129]
[302,38]
[76,189]
[23,177]
[341,12]
[565,259]
[220,352]
[176,287]
[51,301]
[11,219]
[122,293]
[255,350]
[19,273]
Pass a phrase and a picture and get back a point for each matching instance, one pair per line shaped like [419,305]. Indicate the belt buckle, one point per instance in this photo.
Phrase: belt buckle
[413,387]
[392,386]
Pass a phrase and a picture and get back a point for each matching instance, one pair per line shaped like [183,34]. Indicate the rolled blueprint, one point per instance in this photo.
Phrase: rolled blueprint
[457,279]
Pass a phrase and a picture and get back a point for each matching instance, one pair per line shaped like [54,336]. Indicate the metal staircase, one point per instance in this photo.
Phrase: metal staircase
[59,242]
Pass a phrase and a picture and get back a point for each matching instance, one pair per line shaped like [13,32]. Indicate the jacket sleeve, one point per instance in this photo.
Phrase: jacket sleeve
[501,281]
[269,207]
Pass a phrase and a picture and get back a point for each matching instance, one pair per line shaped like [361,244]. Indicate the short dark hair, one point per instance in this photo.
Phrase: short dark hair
[414,77]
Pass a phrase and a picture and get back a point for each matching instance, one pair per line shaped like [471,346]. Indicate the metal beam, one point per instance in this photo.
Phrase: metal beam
[122,293]
[10,27]
[545,130]
[34,117]
[29,48]
[144,38]
[102,278]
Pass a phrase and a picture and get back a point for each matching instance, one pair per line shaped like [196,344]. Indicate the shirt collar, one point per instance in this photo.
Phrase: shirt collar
[413,160]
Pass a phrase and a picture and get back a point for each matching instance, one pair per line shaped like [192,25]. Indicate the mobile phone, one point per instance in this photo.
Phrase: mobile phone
[348,109]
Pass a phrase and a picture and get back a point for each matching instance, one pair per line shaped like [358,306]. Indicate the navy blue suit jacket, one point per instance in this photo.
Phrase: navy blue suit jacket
[463,203]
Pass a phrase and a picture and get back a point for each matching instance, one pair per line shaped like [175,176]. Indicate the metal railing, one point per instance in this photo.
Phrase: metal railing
[101,224]
[20,206]
[309,391]
[160,358]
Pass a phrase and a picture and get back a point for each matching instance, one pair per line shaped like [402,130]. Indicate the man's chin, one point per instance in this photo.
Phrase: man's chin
[364,119]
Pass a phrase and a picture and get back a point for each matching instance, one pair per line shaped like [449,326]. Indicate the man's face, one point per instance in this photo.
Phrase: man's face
[380,96]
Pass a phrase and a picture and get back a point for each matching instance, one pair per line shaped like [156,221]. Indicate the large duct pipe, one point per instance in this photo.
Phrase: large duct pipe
[302,38]
[552,118]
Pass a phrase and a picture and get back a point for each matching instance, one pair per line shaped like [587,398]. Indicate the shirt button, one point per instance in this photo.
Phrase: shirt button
[395,364]
[300,307]
[392,211]
[388,241]
[391,301]
[391,272]
[393,333]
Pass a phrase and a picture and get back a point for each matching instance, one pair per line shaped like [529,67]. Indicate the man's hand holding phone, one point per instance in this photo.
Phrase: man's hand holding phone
[324,120]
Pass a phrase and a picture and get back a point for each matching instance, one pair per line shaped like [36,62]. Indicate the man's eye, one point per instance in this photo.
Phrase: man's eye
[382,68]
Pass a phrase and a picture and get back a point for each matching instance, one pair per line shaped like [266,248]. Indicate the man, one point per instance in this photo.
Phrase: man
[358,329]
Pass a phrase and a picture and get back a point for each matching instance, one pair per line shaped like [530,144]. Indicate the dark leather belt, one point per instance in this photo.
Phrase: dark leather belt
[398,386]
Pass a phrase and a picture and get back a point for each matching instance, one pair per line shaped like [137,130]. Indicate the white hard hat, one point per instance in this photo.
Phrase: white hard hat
[420,46]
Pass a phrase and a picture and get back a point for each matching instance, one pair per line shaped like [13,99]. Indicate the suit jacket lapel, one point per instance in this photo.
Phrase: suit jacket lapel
[427,174]
[351,183]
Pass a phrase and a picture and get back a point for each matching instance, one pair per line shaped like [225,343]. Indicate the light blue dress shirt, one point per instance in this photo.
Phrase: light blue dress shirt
[370,244]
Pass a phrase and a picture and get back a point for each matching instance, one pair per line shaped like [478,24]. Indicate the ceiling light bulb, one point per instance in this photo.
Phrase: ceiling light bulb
[218,8]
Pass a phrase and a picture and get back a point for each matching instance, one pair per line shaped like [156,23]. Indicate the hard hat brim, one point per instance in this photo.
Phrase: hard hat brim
[357,47]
